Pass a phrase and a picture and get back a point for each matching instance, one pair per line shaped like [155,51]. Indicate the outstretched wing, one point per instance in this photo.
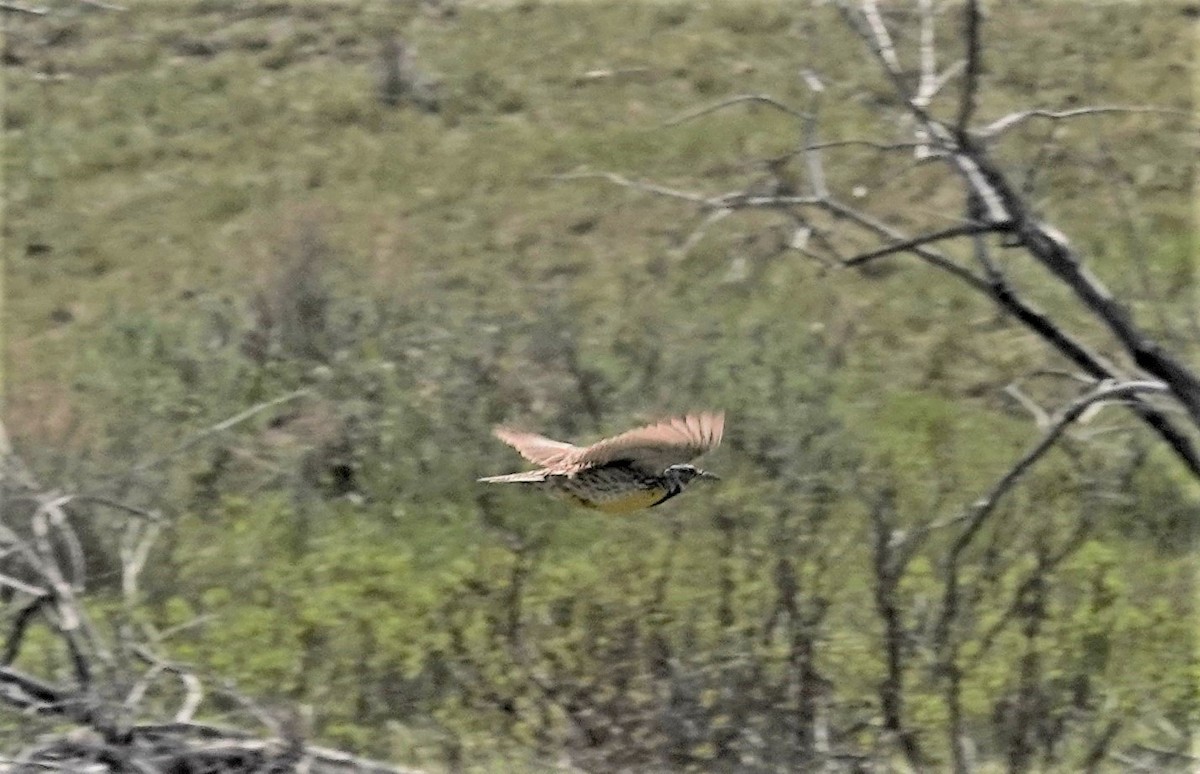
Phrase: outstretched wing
[538,449]
[656,447]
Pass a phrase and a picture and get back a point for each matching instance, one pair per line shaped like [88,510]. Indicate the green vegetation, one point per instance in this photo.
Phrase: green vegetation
[211,209]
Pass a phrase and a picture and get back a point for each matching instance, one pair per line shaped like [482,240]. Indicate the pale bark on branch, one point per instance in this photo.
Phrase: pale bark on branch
[43,561]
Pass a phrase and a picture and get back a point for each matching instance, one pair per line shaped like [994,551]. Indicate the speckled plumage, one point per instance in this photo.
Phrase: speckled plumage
[637,469]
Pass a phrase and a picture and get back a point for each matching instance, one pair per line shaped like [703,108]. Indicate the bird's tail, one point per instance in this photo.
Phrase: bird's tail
[526,477]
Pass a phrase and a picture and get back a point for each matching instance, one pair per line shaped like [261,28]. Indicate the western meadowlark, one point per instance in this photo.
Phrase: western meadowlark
[634,470]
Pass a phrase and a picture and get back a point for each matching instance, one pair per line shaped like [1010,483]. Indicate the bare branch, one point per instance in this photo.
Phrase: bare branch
[39,697]
[880,146]
[50,513]
[741,99]
[924,253]
[138,692]
[1040,417]
[1011,120]
[221,426]
[21,621]
[654,188]
[810,130]
[927,85]
[1099,747]
[191,702]
[884,47]
[983,507]
[967,97]
[743,200]
[160,636]
[997,289]
[889,559]
[875,35]
[102,5]
[135,552]
[698,233]
[1174,755]
[22,586]
[18,8]
[947,75]
[118,505]
[1051,248]
[967,229]
[351,763]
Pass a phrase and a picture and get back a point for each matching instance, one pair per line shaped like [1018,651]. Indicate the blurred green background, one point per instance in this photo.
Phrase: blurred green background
[208,206]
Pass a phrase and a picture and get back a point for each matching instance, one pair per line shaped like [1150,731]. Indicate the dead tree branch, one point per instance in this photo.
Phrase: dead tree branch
[974,55]
[1012,120]
[1005,203]
[967,229]
[18,8]
[93,732]
[1003,207]
[741,99]
[982,508]
[208,432]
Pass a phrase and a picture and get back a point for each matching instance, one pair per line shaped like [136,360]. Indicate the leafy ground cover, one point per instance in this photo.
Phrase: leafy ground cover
[207,207]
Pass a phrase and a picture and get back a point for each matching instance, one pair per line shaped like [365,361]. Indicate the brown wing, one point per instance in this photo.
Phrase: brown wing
[538,449]
[656,447]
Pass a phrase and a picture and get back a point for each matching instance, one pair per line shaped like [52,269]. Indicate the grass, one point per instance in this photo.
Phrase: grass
[170,175]
[154,155]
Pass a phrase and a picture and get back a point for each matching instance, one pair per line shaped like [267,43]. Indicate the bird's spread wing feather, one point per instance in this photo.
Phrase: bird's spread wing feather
[524,477]
[656,447]
[538,449]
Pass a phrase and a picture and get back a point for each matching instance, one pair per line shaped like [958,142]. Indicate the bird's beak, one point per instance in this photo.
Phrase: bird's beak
[706,474]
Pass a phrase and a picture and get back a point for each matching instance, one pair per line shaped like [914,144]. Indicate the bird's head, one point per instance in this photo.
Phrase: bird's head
[684,474]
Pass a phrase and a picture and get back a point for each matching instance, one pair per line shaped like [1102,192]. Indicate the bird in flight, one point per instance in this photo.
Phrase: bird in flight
[637,469]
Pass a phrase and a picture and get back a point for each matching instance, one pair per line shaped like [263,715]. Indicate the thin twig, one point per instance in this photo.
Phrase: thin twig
[193,689]
[967,229]
[879,41]
[18,8]
[621,180]
[880,146]
[810,129]
[22,586]
[880,228]
[984,506]
[1002,202]
[700,230]
[21,621]
[1007,122]
[760,99]
[136,543]
[1040,417]
[51,511]
[221,426]
[885,47]
[1053,251]
[118,505]
[947,75]
[102,5]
